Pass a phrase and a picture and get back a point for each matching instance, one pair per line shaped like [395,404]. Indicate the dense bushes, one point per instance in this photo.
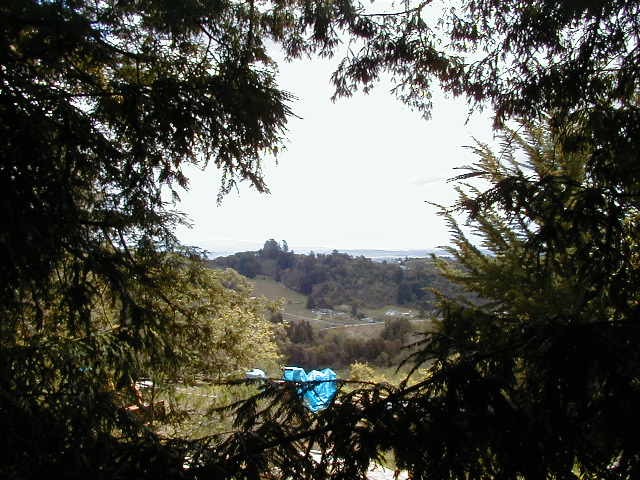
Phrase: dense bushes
[312,349]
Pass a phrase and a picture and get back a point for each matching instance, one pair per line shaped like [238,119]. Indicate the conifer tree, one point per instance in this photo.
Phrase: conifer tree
[549,371]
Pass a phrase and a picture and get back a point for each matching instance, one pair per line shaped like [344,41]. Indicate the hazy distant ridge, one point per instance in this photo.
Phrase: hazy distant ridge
[389,254]
[374,254]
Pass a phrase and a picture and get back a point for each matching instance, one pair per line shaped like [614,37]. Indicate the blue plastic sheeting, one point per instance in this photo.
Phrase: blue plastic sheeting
[316,396]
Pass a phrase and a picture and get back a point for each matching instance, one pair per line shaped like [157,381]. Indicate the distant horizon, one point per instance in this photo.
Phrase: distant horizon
[246,246]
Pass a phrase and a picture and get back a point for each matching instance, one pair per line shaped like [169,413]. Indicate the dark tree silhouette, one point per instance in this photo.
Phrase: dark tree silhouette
[103,104]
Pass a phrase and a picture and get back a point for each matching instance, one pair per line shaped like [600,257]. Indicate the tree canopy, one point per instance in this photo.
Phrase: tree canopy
[339,279]
[104,104]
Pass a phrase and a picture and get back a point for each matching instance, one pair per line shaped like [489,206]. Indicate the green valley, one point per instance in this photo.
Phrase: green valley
[337,309]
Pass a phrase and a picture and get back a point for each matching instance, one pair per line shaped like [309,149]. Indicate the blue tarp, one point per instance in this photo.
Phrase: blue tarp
[316,396]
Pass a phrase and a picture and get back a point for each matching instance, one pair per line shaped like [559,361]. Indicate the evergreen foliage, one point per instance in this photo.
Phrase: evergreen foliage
[553,347]
[104,104]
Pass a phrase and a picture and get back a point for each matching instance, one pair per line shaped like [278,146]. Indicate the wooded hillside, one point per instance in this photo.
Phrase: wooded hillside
[340,279]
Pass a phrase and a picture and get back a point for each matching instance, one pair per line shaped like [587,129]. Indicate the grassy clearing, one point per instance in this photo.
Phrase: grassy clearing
[195,409]
[364,332]
[296,309]
[382,311]
[296,303]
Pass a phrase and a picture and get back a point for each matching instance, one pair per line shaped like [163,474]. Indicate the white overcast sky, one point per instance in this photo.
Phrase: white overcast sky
[355,174]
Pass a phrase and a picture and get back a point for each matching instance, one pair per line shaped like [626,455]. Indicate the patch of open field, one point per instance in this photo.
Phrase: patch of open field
[296,303]
[295,309]
[358,330]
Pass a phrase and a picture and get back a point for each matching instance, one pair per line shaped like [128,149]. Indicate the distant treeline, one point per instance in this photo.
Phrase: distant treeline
[340,279]
[305,347]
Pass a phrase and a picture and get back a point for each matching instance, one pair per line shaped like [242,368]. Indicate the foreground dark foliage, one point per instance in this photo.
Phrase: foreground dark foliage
[104,104]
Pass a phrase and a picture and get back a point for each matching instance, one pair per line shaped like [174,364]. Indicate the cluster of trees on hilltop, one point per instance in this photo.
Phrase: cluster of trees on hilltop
[340,279]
